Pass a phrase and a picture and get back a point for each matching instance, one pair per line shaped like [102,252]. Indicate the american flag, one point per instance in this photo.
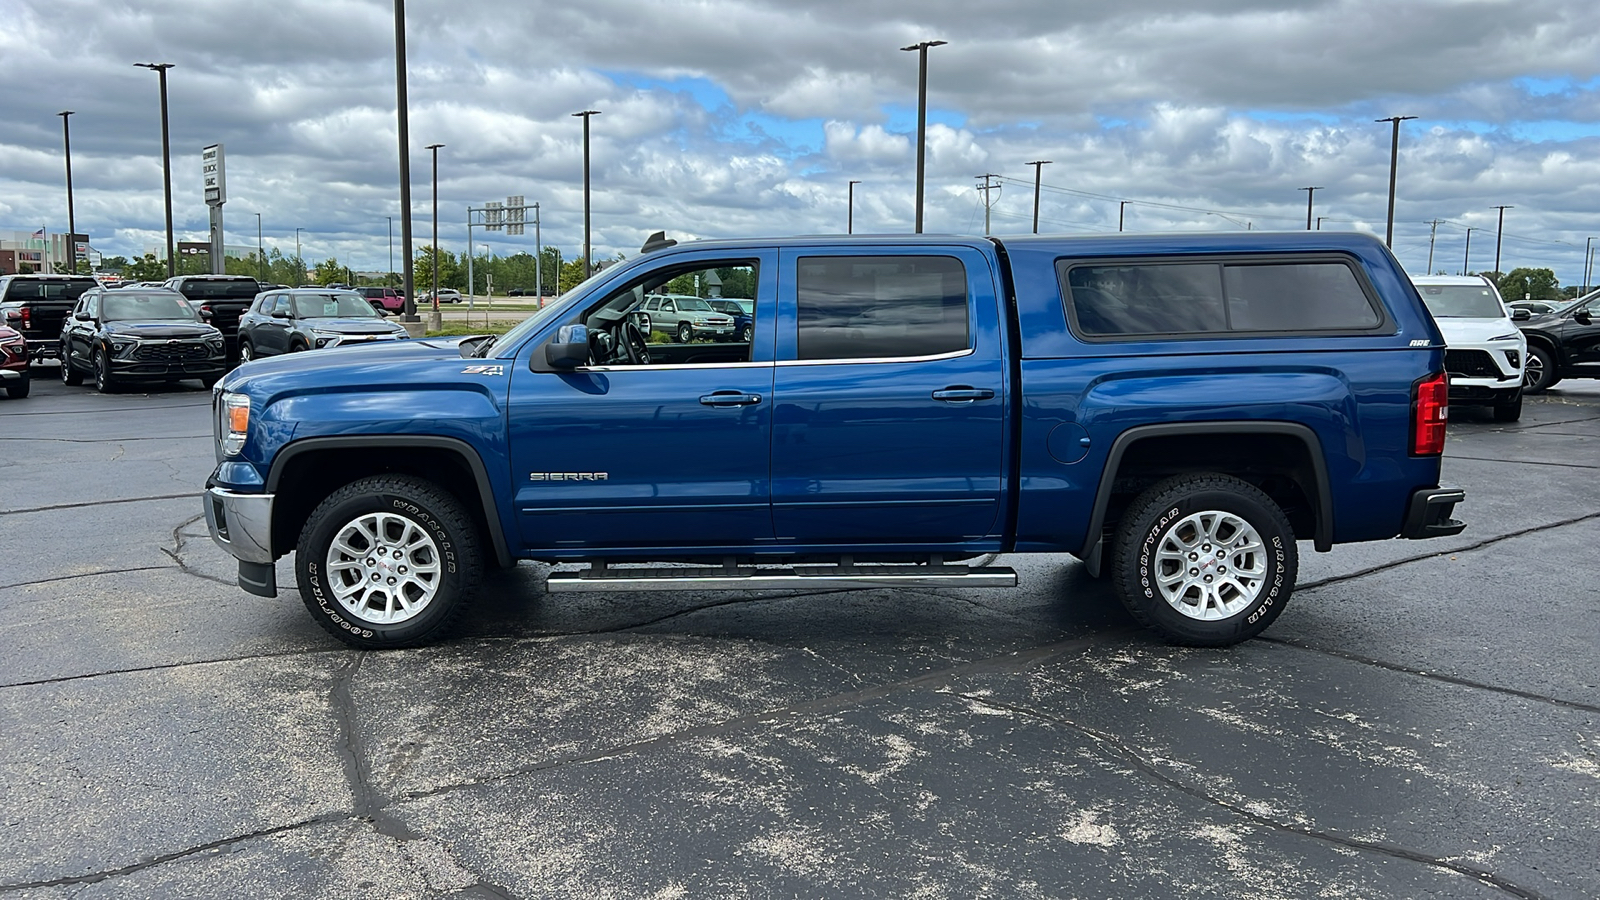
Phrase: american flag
[39,233]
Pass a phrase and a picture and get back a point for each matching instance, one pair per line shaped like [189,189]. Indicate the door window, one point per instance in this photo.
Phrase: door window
[881,307]
[667,318]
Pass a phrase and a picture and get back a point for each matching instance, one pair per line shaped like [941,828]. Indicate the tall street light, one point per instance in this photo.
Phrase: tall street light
[261,251]
[1588,265]
[166,159]
[1122,207]
[391,248]
[299,263]
[1498,233]
[588,256]
[72,223]
[435,254]
[850,208]
[1038,166]
[1311,193]
[1394,161]
[922,115]
[403,117]
[1466,255]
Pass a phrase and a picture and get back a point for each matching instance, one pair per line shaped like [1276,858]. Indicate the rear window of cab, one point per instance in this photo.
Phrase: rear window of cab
[1210,297]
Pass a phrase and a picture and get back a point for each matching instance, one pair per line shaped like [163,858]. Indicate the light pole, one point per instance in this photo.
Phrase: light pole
[403,117]
[261,251]
[1311,193]
[1038,167]
[850,208]
[166,158]
[922,115]
[435,323]
[1394,161]
[391,249]
[1122,207]
[1466,255]
[1499,232]
[588,252]
[72,226]
[1319,222]
[298,262]
[1588,266]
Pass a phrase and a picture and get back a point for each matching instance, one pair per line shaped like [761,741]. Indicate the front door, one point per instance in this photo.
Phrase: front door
[666,456]
[891,396]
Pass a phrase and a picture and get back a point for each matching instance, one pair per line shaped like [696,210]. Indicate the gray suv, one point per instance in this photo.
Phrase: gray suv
[685,317]
[311,319]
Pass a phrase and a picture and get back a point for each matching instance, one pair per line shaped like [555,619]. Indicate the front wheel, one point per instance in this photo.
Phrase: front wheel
[388,561]
[1204,559]
[104,382]
[70,376]
[744,334]
[1539,372]
[685,333]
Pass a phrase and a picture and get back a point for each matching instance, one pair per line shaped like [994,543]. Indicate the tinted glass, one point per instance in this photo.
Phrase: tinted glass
[220,290]
[125,307]
[333,306]
[1297,297]
[1460,301]
[1181,299]
[858,307]
[30,289]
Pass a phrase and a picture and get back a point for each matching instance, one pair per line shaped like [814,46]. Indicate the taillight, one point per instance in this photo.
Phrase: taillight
[1430,410]
[27,317]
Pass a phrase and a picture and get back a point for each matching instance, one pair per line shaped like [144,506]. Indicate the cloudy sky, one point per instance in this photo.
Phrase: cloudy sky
[725,118]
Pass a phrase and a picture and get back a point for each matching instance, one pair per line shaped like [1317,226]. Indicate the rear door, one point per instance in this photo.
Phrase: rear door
[889,425]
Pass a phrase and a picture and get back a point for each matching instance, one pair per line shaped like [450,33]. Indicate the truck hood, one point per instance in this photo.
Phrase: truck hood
[150,331]
[349,364]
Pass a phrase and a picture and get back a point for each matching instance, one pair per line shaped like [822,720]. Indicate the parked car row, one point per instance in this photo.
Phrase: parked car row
[299,319]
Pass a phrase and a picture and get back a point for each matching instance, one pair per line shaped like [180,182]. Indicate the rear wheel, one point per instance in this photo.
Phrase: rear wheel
[388,561]
[1539,373]
[1509,411]
[247,351]
[1204,559]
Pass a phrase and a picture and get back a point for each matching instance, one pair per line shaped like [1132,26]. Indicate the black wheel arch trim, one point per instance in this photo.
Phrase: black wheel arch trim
[1322,538]
[469,455]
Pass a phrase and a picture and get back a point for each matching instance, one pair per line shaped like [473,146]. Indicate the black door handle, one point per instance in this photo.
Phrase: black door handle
[730,398]
[960,393]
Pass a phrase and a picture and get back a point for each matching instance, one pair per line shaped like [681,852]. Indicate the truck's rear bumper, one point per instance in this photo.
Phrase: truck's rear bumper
[1429,513]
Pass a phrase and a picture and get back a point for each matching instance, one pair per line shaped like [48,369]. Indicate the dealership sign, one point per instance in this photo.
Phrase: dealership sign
[211,166]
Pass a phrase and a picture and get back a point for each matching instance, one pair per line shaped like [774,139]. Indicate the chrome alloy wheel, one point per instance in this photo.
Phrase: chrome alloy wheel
[383,568]
[1532,370]
[1210,565]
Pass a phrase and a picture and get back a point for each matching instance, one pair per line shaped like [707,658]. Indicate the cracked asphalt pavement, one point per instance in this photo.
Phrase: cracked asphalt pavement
[1422,721]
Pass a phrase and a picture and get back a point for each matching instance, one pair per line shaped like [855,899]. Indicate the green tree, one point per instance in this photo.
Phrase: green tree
[329,271]
[146,268]
[451,275]
[1530,284]
[113,263]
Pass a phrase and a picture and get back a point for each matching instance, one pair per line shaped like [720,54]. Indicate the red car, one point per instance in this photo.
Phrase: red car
[13,361]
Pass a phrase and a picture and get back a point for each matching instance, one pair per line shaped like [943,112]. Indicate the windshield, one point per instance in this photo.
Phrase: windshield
[692,304]
[536,320]
[122,307]
[1461,301]
[334,306]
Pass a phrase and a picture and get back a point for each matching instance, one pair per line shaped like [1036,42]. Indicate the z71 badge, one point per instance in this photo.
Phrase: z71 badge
[484,370]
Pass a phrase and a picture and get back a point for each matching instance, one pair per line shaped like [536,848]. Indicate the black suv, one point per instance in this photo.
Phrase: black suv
[41,302]
[222,300]
[138,334]
[310,319]
[1561,345]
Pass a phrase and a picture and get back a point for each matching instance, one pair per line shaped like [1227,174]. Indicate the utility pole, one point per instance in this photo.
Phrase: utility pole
[1498,234]
[434,319]
[1394,162]
[588,251]
[403,115]
[1122,207]
[850,208]
[1466,256]
[261,252]
[1319,222]
[72,222]
[1433,230]
[990,197]
[166,158]
[1311,193]
[391,247]
[1038,166]
[922,116]
[1588,265]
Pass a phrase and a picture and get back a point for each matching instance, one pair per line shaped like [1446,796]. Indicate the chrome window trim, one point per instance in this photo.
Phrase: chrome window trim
[667,366]
[877,360]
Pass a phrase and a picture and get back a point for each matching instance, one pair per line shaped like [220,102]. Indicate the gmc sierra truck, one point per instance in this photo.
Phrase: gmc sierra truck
[1177,411]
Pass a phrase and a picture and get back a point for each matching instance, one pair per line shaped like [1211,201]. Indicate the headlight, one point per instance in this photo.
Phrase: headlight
[1515,335]
[235,412]
[215,343]
[121,346]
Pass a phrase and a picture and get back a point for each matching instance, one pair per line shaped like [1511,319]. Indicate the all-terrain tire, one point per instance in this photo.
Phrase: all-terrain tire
[1222,591]
[401,511]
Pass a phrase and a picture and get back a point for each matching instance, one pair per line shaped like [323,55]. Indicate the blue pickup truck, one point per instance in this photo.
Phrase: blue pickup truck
[1176,411]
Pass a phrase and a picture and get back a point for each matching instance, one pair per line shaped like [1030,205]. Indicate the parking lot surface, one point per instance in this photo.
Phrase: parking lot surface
[1422,721]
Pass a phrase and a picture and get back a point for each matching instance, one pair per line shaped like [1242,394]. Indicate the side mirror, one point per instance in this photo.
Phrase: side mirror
[1582,317]
[280,314]
[1521,315]
[570,349]
[81,315]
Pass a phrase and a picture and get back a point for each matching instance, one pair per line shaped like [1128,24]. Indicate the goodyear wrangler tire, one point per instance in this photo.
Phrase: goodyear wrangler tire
[388,561]
[1206,560]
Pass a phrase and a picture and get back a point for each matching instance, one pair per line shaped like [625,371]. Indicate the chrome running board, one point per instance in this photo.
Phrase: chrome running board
[720,578]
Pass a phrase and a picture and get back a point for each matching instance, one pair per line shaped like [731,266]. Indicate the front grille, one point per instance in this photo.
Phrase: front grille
[1470,364]
[171,352]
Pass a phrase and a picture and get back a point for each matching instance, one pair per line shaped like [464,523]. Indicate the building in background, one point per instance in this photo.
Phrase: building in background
[41,251]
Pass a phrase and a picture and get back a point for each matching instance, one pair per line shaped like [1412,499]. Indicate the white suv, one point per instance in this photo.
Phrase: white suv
[1484,352]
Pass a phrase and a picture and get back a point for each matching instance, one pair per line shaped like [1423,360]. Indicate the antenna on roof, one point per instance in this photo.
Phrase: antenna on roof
[657,241]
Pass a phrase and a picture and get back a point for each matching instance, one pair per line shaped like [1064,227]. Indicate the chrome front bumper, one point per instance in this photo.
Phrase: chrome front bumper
[241,524]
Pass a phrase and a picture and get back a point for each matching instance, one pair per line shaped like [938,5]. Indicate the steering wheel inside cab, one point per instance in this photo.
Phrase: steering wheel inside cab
[614,339]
